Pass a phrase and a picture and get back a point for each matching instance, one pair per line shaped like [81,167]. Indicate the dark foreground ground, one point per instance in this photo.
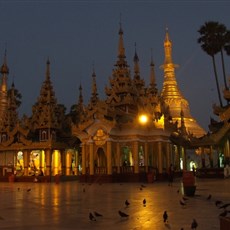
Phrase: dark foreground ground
[67,205]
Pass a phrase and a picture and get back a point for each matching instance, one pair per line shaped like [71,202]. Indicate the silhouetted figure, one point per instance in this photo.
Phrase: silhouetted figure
[144,202]
[127,203]
[91,217]
[122,214]
[165,216]
[194,224]
[170,175]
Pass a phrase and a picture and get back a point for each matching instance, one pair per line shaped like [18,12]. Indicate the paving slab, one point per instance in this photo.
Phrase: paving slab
[67,205]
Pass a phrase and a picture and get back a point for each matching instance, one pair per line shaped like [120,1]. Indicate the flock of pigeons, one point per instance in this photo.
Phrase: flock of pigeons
[194,224]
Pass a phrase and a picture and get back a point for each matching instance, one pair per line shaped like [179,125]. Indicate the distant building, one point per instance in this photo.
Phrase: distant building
[105,139]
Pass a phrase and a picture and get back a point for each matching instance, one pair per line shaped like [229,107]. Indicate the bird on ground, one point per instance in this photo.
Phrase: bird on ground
[29,189]
[224,213]
[91,217]
[184,198]
[182,203]
[144,202]
[165,216]
[209,197]
[122,214]
[97,214]
[218,202]
[224,206]
[127,203]
[194,224]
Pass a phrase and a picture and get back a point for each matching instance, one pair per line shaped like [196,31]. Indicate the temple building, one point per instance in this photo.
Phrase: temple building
[133,132]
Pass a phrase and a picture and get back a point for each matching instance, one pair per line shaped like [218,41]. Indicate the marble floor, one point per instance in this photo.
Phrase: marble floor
[67,205]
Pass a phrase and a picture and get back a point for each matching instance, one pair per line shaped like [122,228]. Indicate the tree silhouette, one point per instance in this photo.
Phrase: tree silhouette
[213,39]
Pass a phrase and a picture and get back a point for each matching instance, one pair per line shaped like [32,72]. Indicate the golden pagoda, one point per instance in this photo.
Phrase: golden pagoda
[171,95]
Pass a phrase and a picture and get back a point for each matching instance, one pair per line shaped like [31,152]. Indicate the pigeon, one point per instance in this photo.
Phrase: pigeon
[165,216]
[224,206]
[91,217]
[97,214]
[194,224]
[184,198]
[122,214]
[144,202]
[127,203]
[182,203]
[209,197]
[218,202]
[224,213]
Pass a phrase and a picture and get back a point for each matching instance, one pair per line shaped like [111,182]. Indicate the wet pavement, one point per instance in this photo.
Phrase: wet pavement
[67,205]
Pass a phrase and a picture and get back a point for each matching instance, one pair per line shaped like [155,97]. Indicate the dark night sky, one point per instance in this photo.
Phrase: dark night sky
[76,34]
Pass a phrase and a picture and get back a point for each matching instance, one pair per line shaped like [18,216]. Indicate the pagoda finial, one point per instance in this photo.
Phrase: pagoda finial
[136,62]
[121,49]
[152,71]
[4,68]
[48,69]
[94,85]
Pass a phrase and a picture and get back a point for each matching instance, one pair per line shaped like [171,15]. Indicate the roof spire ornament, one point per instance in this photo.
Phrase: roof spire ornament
[48,69]
[136,64]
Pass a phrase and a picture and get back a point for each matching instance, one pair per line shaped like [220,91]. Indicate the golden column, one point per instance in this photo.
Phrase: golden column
[168,155]
[118,158]
[48,158]
[109,157]
[56,160]
[68,159]
[42,160]
[136,160]
[91,159]
[83,159]
[76,169]
[146,156]
[159,154]
[26,162]
[184,158]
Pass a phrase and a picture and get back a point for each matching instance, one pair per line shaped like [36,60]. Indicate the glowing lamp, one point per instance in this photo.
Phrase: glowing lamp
[143,118]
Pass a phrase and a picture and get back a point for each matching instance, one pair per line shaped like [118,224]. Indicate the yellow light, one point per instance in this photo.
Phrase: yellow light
[143,119]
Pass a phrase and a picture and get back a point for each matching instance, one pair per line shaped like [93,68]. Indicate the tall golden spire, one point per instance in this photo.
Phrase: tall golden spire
[171,94]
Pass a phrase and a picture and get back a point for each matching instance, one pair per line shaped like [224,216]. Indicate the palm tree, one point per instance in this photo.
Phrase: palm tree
[212,40]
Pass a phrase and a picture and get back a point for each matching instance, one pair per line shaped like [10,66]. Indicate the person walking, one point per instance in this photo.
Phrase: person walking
[170,175]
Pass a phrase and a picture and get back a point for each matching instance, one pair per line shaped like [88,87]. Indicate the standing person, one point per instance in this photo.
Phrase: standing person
[170,175]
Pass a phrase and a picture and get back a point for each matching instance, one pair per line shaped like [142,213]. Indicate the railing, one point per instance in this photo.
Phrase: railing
[100,170]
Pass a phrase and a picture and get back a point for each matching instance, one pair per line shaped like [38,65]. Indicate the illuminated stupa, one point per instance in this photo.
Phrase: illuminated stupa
[171,95]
